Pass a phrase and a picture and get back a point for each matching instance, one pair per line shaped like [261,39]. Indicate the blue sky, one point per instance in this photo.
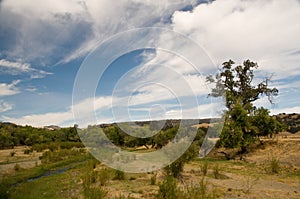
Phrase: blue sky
[44,46]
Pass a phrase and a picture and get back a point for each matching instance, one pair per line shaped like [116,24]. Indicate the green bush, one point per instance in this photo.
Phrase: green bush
[4,189]
[175,168]
[28,151]
[168,189]
[119,175]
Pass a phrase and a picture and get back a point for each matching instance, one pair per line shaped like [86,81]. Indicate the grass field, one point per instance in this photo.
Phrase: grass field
[271,171]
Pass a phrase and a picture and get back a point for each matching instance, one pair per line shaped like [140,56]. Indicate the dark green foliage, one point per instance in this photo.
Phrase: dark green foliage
[28,151]
[4,188]
[12,135]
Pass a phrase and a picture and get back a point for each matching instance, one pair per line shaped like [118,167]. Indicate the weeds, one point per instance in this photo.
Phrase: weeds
[103,177]
[249,184]
[89,189]
[216,171]
[198,191]
[153,179]
[204,168]
[94,192]
[274,165]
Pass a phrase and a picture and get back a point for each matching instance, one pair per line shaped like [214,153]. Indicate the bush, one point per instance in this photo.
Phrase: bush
[176,167]
[28,151]
[153,179]
[119,175]
[274,165]
[168,189]
[17,167]
[4,189]
[91,191]
[12,153]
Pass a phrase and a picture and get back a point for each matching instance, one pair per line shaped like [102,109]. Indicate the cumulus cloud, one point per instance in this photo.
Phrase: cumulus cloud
[262,30]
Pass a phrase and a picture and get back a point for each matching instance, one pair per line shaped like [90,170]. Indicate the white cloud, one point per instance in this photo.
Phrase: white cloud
[9,89]
[261,30]
[14,68]
[5,106]
[65,30]
[24,67]
[39,120]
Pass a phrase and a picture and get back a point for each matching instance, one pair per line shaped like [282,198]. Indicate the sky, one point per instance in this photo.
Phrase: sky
[98,61]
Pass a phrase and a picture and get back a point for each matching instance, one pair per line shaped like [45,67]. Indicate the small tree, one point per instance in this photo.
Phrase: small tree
[243,121]
[176,167]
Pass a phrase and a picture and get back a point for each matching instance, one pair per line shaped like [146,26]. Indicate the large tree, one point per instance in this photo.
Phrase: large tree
[235,83]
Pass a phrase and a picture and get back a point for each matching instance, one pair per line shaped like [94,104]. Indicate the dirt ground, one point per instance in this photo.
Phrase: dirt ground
[26,161]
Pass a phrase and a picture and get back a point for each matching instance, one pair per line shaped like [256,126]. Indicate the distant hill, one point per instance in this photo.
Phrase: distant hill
[291,121]
[166,123]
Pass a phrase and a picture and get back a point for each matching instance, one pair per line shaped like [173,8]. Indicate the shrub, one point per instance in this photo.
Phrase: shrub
[153,179]
[168,189]
[94,193]
[17,167]
[28,151]
[4,189]
[12,153]
[274,165]
[176,167]
[119,175]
